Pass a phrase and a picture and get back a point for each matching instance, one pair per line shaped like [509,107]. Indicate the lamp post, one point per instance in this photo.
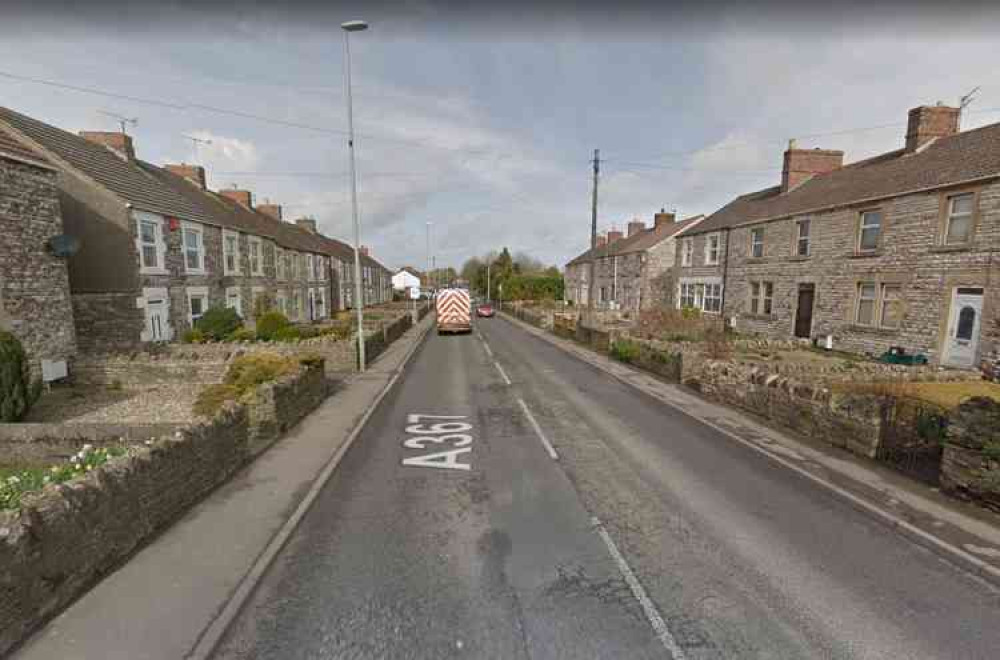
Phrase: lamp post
[359,303]
[428,277]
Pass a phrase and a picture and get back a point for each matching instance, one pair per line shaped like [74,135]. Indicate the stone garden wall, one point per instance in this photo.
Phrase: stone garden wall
[970,466]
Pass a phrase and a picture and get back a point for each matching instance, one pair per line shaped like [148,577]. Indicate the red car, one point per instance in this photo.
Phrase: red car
[485,310]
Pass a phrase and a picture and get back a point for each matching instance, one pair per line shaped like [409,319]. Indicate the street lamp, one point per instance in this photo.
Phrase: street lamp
[359,303]
[428,278]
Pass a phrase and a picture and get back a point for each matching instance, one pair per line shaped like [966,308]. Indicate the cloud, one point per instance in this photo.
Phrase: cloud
[224,153]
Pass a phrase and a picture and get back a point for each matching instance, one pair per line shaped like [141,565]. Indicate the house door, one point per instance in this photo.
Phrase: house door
[962,339]
[156,319]
[804,311]
[312,304]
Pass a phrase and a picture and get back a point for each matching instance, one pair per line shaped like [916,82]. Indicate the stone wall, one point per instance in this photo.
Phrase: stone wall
[278,406]
[45,444]
[970,467]
[167,364]
[107,321]
[34,284]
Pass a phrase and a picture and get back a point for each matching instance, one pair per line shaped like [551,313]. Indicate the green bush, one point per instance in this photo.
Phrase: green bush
[625,350]
[217,323]
[193,336]
[269,324]
[17,392]
[242,334]
[287,333]
[245,373]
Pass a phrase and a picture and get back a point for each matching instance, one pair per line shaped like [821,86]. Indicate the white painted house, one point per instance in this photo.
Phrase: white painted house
[404,280]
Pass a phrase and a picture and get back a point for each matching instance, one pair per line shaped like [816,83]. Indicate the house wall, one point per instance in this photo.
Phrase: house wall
[621,277]
[658,274]
[34,284]
[699,271]
[909,254]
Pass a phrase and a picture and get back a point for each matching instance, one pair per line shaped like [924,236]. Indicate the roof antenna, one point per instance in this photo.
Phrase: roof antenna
[195,142]
[122,120]
[964,102]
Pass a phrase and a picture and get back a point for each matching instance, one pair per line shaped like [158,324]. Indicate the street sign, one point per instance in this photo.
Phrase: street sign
[414,293]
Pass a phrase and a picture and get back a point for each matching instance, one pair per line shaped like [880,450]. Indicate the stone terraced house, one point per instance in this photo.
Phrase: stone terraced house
[34,280]
[157,248]
[896,250]
[632,272]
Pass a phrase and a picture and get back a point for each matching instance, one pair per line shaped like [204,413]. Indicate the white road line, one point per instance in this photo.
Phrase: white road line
[538,429]
[659,625]
[489,350]
[502,372]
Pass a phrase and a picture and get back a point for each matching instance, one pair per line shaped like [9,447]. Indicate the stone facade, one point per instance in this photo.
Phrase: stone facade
[34,284]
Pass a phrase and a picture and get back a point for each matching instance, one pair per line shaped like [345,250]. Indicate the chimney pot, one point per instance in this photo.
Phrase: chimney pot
[120,143]
[242,197]
[926,123]
[193,173]
[800,165]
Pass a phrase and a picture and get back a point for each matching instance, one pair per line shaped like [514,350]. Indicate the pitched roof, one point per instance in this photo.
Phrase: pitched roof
[19,151]
[949,160]
[126,179]
[638,242]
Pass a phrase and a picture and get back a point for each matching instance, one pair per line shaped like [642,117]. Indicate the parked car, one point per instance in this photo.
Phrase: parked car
[485,310]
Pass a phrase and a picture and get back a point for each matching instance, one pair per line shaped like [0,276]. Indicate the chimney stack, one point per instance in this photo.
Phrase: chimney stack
[193,173]
[803,164]
[663,218]
[636,226]
[365,250]
[602,240]
[241,197]
[119,143]
[309,224]
[613,236]
[926,123]
[271,210]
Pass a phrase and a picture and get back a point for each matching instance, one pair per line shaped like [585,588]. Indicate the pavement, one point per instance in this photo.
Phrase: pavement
[510,498]
[168,600]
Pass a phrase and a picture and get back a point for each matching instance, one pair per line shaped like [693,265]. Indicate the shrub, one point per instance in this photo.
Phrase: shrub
[17,392]
[242,334]
[217,323]
[625,350]
[262,304]
[269,324]
[287,333]
[193,336]
[312,361]
[245,373]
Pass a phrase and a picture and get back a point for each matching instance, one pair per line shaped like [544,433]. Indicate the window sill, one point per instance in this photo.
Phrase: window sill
[866,254]
[963,247]
[873,330]
[195,272]
[153,271]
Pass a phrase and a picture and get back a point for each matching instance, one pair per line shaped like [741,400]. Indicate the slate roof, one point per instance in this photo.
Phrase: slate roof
[19,151]
[638,242]
[965,156]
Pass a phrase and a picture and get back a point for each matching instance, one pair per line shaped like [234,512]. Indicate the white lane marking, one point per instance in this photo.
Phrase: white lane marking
[659,625]
[538,430]
[502,372]
[489,351]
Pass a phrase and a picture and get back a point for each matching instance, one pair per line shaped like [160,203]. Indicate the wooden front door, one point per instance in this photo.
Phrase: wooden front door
[804,311]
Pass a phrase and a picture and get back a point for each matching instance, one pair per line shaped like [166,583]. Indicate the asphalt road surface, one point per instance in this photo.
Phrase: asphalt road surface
[547,510]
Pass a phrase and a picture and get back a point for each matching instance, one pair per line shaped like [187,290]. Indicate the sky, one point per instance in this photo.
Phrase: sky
[483,122]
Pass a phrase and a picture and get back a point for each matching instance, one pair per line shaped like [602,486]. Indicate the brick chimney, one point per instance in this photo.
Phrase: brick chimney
[309,224]
[636,226]
[613,236]
[193,173]
[602,240]
[929,122]
[803,164]
[663,218]
[365,250]
[272,210]
[120,143]
[241,197]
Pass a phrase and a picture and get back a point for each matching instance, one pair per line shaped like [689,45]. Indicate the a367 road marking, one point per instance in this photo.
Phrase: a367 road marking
[452,432]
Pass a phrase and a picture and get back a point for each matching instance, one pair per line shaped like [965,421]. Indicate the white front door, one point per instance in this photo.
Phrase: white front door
[156,319]
[964,320]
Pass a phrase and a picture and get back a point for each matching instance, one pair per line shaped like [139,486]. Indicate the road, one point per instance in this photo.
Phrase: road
[557,513]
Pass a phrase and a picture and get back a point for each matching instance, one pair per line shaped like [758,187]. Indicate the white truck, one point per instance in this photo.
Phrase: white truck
[454,311]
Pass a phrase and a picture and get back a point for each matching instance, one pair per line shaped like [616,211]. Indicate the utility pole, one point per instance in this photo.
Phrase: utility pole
[427,277]
[593,233]
[488,264]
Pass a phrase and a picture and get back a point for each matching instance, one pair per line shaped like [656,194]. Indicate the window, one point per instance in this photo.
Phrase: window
[761,298]
[311,266]
[279,263]
[286,259]
[891,307]
[281,300]
[757,242]
[197,302]
[687,251]
[256,262]
[959,222]
[296,309]
[870,230]
[321,303]
[258,296]
[712,249]
[231,252]
[867,293]
[713,298]
[234,300]
[194,249]
[150,244]
[802,228]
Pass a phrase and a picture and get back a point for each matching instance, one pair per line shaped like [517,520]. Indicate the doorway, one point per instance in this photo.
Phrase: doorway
[961,342]
[804,311]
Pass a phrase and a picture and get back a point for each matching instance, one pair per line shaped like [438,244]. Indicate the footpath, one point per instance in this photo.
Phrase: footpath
[174,598]
[958,532]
